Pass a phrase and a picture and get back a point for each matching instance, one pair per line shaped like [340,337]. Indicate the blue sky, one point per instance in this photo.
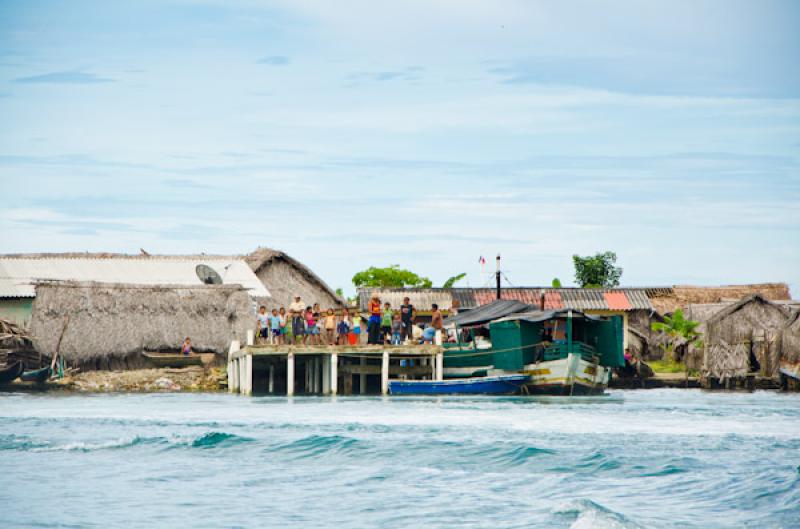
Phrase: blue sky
[423,133]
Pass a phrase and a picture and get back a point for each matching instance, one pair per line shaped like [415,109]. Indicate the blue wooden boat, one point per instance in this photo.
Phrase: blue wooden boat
[496,385]
[38,375]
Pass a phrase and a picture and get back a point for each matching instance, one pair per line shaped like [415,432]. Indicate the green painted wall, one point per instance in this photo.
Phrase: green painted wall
[17,310]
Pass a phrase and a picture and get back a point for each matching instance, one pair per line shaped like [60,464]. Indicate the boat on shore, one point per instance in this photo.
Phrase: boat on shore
[39,376]
[494,385]
[178,359]
[564,352]
[11,373]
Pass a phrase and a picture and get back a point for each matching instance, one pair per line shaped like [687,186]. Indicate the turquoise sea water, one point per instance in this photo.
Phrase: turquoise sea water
[658,458]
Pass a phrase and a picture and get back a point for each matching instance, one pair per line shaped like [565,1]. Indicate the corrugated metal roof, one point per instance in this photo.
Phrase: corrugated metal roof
[554,298]
[18,275]
[422,299]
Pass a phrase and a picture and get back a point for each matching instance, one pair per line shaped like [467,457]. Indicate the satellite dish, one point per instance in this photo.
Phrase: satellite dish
[208,275]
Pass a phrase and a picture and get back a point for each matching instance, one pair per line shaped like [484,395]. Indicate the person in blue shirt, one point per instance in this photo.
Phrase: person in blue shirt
[275,326]
[262,320]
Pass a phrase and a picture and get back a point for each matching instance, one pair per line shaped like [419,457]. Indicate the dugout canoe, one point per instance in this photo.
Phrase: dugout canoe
[177,359]
[37,375]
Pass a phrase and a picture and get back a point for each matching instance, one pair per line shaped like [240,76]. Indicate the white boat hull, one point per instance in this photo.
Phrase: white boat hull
[568,376]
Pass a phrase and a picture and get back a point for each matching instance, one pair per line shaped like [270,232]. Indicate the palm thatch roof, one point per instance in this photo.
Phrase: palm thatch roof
[744,337]
[13,336]
[669,299]
[790,339]
[108,325]
[286,277]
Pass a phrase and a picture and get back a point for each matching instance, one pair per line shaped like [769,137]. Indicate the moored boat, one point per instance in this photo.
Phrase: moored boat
[11,373]
[177,359]
[564,352]
[490,385]
[37,375]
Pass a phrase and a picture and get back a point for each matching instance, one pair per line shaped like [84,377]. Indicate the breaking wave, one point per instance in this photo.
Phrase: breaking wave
[587,514]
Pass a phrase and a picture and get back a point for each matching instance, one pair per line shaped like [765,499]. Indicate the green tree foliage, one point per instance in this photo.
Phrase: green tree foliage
[680,330]
[390,277]
[597,271]
[340,293]
[556,283]
[453,280]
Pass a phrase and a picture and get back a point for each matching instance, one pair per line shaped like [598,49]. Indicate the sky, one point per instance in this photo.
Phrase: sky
[422,133]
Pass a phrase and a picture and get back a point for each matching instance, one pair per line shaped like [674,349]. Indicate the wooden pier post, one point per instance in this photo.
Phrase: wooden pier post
[334,373]
[233,382]
[439,369]
[250,337]
[271,384]
[326,375]
[233,366]
[362,379]
[290,374]
[385,373]
[242,379]
[248,374]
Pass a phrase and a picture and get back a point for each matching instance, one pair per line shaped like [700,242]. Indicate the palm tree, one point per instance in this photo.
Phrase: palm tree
[680,330]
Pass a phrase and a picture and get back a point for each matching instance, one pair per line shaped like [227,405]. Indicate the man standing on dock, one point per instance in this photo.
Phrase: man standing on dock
[437,323]
[407,315]
[298,325]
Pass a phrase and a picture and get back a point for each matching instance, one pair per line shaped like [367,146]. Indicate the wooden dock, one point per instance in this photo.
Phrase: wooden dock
[328,370]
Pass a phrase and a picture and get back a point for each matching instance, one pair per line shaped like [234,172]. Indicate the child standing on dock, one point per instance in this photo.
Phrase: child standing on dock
[356,329]
[343,328]
[386,322]
[397,329]
[282,316]
[311,328]
[262,320]
[374,327]
[275,327]
[330,327]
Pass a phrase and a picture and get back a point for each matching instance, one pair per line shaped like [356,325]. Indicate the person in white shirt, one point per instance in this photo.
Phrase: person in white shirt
[298,325]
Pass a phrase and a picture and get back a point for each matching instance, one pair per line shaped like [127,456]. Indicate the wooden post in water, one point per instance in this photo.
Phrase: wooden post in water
[362,386]
[233,382]
[439,371]
[334,373]
[248,374]
[290,374]
[326,374]
[271,384]
[315,375]
[385,373]
[242,374]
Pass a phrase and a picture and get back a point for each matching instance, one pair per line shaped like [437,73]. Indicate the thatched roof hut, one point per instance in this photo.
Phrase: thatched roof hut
[107,326]
[790,339]
[744,338]
[286,277]
[669,299]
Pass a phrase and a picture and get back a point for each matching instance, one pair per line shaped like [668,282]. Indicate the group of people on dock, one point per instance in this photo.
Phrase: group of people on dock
[310,325]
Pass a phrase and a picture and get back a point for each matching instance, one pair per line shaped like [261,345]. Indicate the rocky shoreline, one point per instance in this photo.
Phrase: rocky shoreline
[165,380]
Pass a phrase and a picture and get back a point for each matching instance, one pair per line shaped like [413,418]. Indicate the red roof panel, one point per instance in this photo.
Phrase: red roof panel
[617,301]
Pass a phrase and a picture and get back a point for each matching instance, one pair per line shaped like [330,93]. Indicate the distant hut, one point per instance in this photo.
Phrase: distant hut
[743,339]
[790,351]
[108,325]
[286,277]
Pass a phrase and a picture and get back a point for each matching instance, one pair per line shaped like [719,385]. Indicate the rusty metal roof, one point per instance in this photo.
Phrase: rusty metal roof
[617,299]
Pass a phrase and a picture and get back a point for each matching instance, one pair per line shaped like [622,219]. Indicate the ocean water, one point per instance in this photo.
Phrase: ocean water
[658,458]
